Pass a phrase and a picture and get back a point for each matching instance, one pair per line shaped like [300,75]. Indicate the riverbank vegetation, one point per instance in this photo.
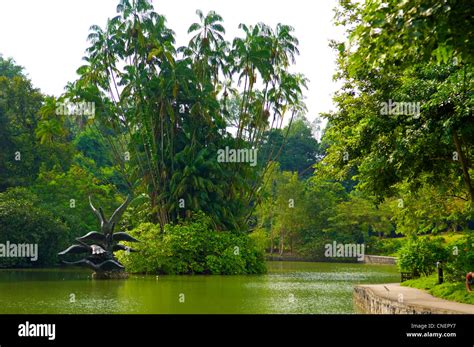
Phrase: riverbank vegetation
[404,126]
[192,247]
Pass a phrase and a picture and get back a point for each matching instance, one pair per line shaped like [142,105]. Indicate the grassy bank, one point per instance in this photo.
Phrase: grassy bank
[449,291]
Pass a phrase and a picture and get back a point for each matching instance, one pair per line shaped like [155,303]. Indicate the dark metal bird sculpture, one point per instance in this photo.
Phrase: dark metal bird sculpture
[100,246]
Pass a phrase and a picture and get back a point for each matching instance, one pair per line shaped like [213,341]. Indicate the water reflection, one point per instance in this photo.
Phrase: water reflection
[289,287]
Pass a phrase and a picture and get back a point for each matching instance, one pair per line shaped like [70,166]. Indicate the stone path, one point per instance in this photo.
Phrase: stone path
[416,298]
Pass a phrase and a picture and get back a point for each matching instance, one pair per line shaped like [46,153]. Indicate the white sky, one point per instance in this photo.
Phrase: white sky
[48,37]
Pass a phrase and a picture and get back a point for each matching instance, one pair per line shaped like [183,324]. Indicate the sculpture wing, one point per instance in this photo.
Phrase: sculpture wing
[119,211]
[99,214]
[76,249]
[85,262]
[121,236]
[92,236]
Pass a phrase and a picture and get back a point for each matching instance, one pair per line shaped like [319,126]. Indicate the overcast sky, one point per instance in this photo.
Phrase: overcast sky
[48,37]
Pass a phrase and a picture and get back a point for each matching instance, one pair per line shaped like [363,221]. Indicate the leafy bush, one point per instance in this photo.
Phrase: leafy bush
[150,256]
[315,248]
[22,222]
[192,248]
[260,238]
[461,259]
[420,255]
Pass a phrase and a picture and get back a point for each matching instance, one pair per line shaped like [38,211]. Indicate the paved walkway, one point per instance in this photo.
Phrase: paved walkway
[417,297]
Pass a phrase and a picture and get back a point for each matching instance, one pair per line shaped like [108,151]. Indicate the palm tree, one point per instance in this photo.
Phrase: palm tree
[208,33]
[207,47]
[48,130]
[141,87]
[51,124]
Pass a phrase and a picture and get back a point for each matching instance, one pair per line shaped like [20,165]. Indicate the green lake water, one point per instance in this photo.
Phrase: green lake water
[288,287]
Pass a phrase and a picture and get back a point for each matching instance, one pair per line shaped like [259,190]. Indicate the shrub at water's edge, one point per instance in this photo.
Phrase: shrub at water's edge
[192,248]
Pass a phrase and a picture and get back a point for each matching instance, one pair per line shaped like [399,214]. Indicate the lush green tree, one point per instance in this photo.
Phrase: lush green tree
[299,149]
[19,106]
[392,34]
[358,216]
[66,194]
[91,143]
[460,259]
[31,133]
[166,109]
[295,214]
[402,133]
[412,171]
[289,202]
[9,69]
[430,209]
[432,144]
[23,221]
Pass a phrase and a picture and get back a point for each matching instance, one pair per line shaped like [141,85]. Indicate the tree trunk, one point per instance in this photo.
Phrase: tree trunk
[464,165]
[271,233]
[155,217]
[271,242]
[282,244]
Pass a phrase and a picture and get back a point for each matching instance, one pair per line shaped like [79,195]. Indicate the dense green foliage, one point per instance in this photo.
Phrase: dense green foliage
[66,195]
[19,105]
[299,149]
[166,111]
[22,222]
[419,256]
[302,216]
[384,246]
[405,154]
[398,33]
[192,248]
[461,258]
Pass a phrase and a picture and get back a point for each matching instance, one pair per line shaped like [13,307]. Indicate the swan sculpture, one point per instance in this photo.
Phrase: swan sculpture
[99,247]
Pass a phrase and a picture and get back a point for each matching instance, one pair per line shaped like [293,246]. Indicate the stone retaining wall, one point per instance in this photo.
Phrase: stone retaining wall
[367,301]
[368,259]
[378,259]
